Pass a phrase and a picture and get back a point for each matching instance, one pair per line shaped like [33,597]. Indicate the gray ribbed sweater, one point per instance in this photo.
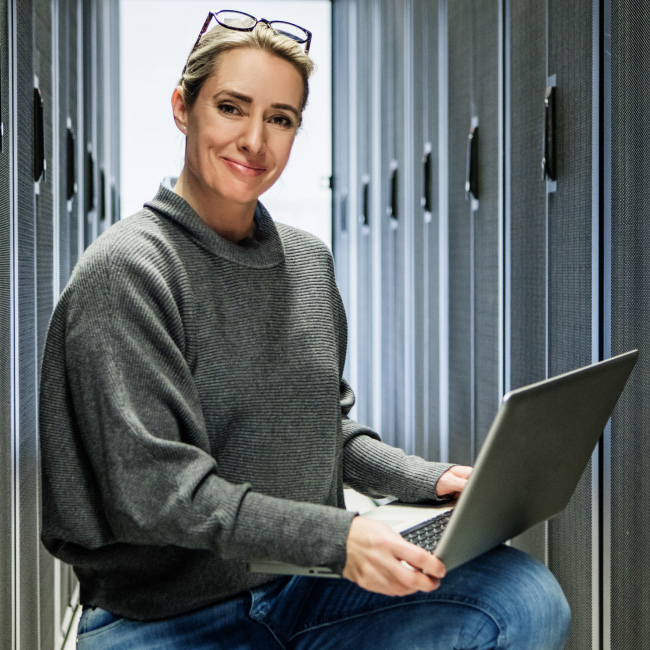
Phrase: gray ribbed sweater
[193,414]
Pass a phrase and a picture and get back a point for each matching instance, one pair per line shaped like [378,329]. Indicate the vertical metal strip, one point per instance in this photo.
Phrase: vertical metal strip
[547,279]
[377,323]
[596,328]
[507,214]
[13,316]
[500,202]
[443,226]
[353,195]
[409,320]
[606,324]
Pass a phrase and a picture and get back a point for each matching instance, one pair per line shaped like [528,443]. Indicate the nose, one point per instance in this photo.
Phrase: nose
[252,139]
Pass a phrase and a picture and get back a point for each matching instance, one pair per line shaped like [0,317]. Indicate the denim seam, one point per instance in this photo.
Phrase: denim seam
[455,601]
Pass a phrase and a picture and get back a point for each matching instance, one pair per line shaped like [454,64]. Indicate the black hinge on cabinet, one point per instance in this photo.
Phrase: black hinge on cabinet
[471,184]
[39,136]
[365,200]
[71,167]
[393,188]
[426,171]
[549,160]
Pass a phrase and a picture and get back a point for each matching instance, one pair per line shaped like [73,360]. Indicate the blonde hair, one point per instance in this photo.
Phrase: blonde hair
[202,62]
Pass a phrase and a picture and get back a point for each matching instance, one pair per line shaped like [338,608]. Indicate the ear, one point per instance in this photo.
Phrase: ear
[180,110]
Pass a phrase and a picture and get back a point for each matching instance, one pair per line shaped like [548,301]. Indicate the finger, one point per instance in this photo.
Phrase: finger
[463,471]
[420,559]
[450,484]
[410,580]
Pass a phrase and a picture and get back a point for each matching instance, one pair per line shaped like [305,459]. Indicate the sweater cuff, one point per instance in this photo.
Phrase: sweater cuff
[375,468]
[269,528]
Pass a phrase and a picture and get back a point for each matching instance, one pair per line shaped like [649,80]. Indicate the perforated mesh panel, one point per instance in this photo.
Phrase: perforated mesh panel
[364,289]
[486,219]
[45,216]
[430,28]
[460,39]
[6,429]
[630,210]
[27,542]
[569,281]
[527,211]
[392,254]
[425,235]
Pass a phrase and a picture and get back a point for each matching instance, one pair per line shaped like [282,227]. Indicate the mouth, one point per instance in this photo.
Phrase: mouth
[245,169]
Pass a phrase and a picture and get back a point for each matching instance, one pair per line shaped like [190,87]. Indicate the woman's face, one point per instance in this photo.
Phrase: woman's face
[242,126]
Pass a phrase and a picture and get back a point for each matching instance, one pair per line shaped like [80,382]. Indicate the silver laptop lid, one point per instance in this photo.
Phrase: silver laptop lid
[533,457]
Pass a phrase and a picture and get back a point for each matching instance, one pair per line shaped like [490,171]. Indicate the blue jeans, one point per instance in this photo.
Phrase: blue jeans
[503,599]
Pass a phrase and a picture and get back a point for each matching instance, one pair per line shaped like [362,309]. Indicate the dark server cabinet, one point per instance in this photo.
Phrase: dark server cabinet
[393,225]
[30,156]
[46,223]
[552,239]
[7,468]
[473,32]
[627,476]
[426,226]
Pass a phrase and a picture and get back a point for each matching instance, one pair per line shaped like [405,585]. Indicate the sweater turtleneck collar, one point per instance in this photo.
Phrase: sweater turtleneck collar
[263,250]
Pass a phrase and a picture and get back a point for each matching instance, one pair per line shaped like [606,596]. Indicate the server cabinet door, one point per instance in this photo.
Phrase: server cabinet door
[365,213]
[425,235]
[526,240]
[7,477]
[394,408]
[474,186]
[341,152]
[44,252]
[627,476]
[25,356]
[573,536]
[552,220]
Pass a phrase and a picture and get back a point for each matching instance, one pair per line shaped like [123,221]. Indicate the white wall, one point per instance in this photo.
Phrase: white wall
[155,39]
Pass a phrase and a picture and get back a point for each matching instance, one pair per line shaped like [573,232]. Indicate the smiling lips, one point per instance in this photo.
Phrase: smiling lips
[242,168]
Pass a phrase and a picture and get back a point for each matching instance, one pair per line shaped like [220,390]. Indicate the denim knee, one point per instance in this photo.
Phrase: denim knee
[538,612]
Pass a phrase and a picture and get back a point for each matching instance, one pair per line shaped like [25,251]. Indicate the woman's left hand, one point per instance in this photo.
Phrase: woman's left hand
[453,481]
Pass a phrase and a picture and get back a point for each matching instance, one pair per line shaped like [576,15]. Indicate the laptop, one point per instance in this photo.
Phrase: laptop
[533,457]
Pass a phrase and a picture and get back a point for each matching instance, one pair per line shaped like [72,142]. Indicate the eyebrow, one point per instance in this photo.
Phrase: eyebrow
[249,100]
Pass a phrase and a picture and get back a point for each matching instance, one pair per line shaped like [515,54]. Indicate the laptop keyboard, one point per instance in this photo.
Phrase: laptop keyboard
[428,533]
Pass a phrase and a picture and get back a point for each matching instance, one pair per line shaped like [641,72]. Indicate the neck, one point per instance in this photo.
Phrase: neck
[232,221]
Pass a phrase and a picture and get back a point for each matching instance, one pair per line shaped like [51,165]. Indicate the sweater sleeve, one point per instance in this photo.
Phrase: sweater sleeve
[138,413]
[379,470]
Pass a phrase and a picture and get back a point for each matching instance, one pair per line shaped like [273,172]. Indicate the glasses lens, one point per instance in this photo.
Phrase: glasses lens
[236,20]
[289,29]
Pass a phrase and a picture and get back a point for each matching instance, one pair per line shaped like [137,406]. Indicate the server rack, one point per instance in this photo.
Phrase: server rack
[552,239]
[626,480]
[426,253]
[366,214]
[7,451]
[474,194]
[393,220]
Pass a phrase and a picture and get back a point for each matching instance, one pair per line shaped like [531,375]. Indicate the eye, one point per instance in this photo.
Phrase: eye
[282,120]
[227,108]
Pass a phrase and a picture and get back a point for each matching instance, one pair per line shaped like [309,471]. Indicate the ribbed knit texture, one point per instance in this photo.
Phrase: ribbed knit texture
[193,414]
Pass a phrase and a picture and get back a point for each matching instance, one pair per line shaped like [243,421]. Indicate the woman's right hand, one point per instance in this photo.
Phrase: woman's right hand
[378,560]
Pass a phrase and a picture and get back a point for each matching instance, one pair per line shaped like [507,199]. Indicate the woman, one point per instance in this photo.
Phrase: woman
[194,414]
